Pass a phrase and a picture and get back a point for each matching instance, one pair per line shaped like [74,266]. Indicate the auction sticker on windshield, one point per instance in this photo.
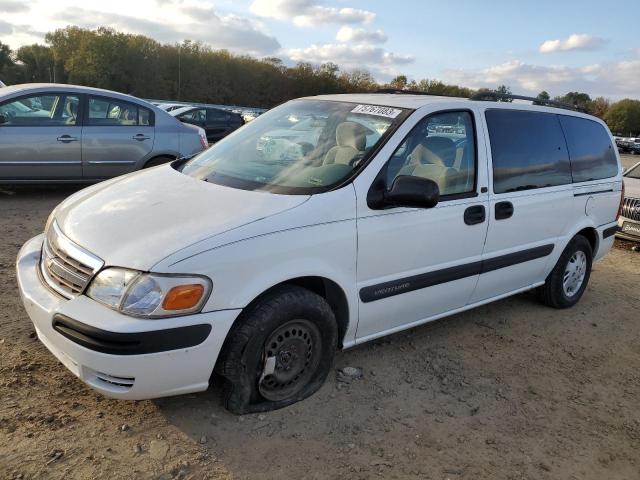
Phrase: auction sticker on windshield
[377,110]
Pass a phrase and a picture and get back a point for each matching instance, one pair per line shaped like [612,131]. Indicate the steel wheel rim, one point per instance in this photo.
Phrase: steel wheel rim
[574,273]
[296,347]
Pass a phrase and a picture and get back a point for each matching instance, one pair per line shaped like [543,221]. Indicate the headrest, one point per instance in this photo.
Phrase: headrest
[351,134]
[436,151]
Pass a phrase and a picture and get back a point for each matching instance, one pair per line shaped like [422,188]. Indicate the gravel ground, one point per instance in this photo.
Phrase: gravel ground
[511,390]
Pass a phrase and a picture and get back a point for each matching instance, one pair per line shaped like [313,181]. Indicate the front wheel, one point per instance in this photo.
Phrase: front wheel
[279,352]
[568,280]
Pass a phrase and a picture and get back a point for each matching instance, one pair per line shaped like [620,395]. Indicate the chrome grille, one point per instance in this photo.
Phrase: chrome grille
[66,267]
[631,208]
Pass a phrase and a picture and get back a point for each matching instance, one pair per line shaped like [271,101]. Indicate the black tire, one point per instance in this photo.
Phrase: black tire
[154,162]
[553,292]
[301,315]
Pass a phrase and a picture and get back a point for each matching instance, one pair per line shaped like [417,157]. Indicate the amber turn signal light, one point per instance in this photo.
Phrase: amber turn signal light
[183,297]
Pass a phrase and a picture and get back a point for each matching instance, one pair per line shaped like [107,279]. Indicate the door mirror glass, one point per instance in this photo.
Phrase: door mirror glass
[409,191]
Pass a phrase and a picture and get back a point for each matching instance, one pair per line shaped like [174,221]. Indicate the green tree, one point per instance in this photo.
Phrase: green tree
[37,63]
[399,82]
[504,90]
[5,56]
[194,72]
[577,99]
[543,95]
[623,117]
[599,106]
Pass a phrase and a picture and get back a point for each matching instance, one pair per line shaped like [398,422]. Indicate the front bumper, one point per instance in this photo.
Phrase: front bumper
[127,375]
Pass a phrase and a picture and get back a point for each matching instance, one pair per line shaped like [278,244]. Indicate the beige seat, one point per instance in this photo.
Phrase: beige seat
[432,158]
[351,140]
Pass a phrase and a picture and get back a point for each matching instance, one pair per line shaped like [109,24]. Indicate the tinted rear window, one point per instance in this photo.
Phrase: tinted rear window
[528,150]
[590,149]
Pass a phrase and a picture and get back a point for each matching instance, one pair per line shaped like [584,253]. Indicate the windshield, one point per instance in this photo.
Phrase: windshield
[301,147]
[634,172]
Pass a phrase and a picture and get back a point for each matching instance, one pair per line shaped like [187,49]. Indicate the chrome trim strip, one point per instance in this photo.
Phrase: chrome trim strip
[75,251]
[111,162]
[43,162]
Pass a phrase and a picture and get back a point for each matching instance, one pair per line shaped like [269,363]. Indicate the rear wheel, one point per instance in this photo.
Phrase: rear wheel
[569,278]
[279,352]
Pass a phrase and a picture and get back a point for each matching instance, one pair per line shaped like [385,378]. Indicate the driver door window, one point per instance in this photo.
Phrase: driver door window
[441,148]
[43,110]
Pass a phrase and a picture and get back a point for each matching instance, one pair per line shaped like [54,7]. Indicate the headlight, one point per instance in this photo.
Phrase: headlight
[148,294]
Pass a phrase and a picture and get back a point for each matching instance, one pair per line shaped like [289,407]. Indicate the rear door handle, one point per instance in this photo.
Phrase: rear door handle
[140,137]
[474,215]
[67,139]
[504,210]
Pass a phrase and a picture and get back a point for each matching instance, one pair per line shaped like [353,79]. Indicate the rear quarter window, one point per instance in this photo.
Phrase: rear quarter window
[528,150]
[590,149]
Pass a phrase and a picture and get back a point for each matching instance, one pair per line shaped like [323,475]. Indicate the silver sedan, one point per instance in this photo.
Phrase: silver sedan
[59,133]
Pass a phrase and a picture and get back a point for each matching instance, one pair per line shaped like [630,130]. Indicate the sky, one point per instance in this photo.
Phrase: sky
[552,45]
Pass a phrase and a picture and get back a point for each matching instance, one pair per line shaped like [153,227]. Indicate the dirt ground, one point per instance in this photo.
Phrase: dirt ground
[511,390]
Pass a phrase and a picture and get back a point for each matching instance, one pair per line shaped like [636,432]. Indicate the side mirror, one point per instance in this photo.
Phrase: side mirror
[3,119]
[409,191]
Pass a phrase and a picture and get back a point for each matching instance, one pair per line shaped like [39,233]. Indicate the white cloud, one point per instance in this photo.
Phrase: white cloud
[305,13]
[13,6]
[375,59]
[162,20]
[576,41]
[5,27]
[612,79]
[348,34]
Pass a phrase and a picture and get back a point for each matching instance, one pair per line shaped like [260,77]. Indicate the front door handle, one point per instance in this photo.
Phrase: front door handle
[67,139]
[504,210]
[474,215]
[140,137]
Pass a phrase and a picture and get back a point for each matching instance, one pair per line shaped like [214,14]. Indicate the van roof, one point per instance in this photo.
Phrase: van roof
[405,100]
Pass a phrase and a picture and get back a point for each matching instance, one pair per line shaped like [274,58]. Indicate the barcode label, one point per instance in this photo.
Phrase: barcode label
[377,110]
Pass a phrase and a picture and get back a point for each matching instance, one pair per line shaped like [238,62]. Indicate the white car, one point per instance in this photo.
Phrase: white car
[2,85]
[629,220]
[259,267]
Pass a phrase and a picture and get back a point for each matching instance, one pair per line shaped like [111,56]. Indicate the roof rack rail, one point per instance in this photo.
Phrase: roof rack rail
[495,96]
[413,92]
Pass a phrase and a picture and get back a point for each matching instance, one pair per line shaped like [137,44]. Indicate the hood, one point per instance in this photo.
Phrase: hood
[631,187]
[137,220]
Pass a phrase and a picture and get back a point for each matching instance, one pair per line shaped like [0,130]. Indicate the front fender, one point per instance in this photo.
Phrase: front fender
[243,270]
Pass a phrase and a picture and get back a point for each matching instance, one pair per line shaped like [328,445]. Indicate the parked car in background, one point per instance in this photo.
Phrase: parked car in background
[53,133]
[628,145]
[217,123]
[168,107]
[258,267]
[629,220]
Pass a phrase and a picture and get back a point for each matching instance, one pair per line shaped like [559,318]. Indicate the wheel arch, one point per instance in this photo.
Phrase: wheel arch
[591,234]
[149,162]
[328,289]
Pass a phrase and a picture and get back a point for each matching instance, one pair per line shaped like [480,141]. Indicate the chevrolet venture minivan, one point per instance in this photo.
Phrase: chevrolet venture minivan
[251,263]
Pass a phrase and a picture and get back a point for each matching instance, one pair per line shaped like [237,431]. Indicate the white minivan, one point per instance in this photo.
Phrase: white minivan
[251,263]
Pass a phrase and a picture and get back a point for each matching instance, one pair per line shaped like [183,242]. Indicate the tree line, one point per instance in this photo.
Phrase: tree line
[191,71]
